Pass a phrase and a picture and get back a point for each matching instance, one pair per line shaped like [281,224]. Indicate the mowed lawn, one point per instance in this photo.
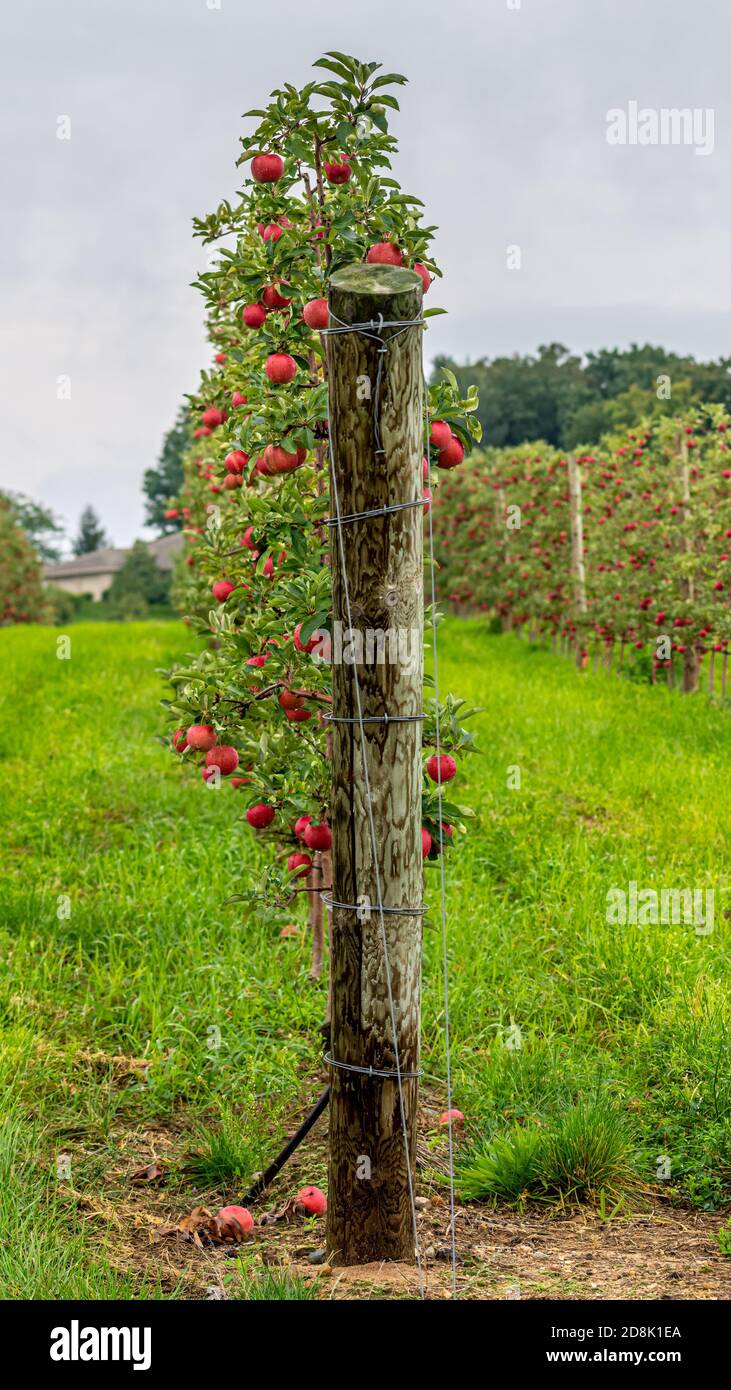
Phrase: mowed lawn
[133,996]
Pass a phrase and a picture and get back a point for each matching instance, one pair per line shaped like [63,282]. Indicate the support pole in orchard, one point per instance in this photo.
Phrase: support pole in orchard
[375,395]
[576,516]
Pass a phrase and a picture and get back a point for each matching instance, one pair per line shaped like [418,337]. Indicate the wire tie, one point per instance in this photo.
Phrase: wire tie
[371,1071]
[373,908]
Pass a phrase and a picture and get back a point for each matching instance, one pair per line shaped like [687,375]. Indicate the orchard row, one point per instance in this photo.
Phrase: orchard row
[637,552]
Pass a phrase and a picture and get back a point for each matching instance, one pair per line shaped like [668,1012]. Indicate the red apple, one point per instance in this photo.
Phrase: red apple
[307,647]
[246,539]
[301,825]
[318,836]
[260,816]
[280,368]
[272,299]
[338,171]
[452,455]
[424,275]
[454,1116]
[425,842]
[179,741]
[385,253]
[267,168]
[236,461]
[239,1215]
[298,716]
[313,1200]
[221,589]
[225,758]
[299,865]
[212,417]
[288,700]
[440,435]
[201,737]
[253,315]
[237,399]
[315,314]
[270,233]
[441,767]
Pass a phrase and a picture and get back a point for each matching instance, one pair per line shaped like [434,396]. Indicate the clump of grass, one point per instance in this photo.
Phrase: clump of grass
[272,1286]
[588,1151]
[230,1151]
[505,1167]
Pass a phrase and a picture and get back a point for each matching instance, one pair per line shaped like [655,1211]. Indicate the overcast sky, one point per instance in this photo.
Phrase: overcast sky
[502,133]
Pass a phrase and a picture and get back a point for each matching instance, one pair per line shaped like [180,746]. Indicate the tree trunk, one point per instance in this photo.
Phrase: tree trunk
[371,1156]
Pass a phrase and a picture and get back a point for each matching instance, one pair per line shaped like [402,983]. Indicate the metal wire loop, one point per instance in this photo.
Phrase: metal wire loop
[370,1071]
[374,511]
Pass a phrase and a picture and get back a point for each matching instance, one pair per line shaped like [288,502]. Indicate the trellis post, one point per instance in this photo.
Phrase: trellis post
[576,521]
[377,653]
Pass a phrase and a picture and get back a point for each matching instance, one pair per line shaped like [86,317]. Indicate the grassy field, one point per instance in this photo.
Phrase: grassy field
[585,1054]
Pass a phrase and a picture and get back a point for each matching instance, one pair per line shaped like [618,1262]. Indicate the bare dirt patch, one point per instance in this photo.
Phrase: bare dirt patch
[663,1253]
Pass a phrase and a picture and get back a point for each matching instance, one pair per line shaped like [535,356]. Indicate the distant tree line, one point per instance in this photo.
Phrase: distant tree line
[568,400]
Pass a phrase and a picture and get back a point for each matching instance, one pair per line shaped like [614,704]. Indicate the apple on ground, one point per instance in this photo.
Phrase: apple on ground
[238,1218]
[313,1200]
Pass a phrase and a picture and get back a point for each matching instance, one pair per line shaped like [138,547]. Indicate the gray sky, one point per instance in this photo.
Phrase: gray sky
[502,133]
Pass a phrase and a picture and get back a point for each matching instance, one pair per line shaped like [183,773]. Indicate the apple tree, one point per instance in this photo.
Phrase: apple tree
[318,194]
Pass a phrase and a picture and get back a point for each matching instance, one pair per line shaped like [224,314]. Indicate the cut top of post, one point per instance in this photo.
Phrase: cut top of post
[384,280]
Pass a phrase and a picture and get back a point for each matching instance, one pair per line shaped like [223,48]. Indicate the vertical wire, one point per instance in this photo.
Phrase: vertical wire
[445,967]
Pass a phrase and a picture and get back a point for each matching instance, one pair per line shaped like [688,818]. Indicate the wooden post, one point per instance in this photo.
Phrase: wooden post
[576,522]
[691,659]
[371,1157]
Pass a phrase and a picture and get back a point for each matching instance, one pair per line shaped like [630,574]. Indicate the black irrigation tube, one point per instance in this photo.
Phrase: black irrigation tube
[282,1157]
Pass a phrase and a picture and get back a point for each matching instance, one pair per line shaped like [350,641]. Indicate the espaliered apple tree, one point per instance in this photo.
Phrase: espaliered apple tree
[318,195]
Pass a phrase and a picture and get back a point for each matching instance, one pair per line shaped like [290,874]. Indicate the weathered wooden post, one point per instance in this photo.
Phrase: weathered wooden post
[374,394]
[691,657]
[576,521]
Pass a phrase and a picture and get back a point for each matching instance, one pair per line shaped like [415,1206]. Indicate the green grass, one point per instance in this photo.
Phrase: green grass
[132,995]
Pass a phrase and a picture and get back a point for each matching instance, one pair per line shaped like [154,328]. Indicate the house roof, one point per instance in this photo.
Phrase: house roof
[110,560]
[96,562]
